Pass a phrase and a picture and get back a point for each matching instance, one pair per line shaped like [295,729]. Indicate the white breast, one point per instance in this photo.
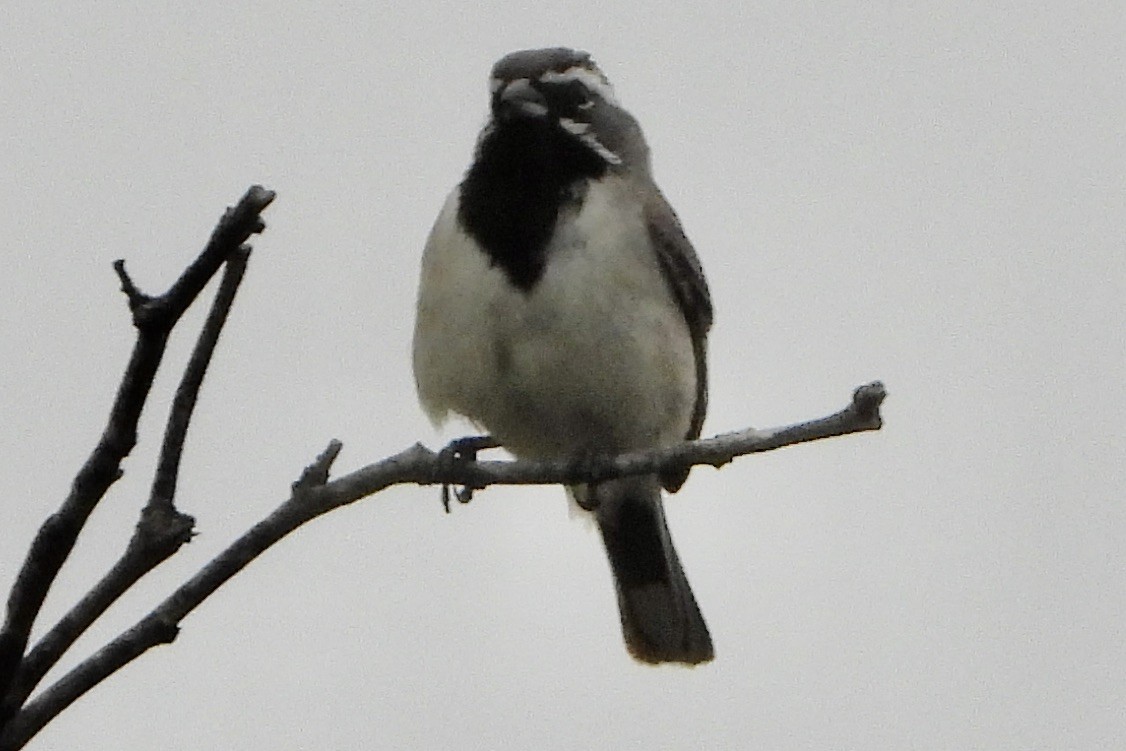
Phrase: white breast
[596,357]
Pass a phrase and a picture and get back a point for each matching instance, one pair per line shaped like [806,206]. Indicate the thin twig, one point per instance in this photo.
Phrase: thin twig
[312,497]
[316,474]
[168,466]
[154,318]
[162,529]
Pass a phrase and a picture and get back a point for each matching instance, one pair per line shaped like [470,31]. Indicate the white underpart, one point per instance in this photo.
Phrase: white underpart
[597,355]
[592,79]
[582,132]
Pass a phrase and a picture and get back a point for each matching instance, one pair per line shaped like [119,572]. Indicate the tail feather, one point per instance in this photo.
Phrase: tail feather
[661,621]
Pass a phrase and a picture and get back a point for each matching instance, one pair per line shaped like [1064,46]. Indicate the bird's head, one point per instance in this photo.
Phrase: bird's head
[560,90]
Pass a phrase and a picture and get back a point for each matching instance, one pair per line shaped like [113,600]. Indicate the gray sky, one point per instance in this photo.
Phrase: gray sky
[933,196]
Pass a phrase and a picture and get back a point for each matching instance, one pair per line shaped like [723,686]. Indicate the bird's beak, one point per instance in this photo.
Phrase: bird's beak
[519,99]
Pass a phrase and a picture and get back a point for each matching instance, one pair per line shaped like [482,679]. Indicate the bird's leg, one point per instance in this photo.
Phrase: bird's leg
[458,451]
[588,463]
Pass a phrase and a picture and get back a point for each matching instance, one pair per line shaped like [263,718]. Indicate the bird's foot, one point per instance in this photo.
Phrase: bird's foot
[461,450]
[589,463]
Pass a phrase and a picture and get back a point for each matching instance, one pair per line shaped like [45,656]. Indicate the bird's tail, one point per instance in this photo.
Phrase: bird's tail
[660,619]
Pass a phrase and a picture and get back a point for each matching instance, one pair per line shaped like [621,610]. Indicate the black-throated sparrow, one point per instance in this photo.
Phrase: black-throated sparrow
[562,309]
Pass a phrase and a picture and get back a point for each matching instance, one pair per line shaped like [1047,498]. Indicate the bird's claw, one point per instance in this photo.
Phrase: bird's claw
[588,463]
[462,450]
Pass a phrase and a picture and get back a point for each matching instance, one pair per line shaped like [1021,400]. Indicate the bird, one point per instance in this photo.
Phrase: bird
[562,309]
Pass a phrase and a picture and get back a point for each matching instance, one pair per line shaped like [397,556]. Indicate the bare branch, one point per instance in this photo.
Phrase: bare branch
[118,654]
[421,466]
[316,474]
[162,529]
[154,318]
[168,467]
[312,497]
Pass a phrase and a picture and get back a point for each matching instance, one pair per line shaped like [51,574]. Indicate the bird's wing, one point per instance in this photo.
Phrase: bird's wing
[683,273]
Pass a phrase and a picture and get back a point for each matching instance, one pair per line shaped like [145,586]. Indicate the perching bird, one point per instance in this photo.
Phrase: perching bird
[562,309]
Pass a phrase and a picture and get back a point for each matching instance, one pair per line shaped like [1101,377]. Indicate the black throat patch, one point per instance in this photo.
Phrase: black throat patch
[525,172]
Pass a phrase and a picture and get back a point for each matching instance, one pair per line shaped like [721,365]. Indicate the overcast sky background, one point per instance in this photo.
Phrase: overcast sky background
[931,194]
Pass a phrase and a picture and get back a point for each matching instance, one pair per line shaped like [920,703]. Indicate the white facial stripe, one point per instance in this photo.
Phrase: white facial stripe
[592,79]
[535,109]
[582,132]
[572,126]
